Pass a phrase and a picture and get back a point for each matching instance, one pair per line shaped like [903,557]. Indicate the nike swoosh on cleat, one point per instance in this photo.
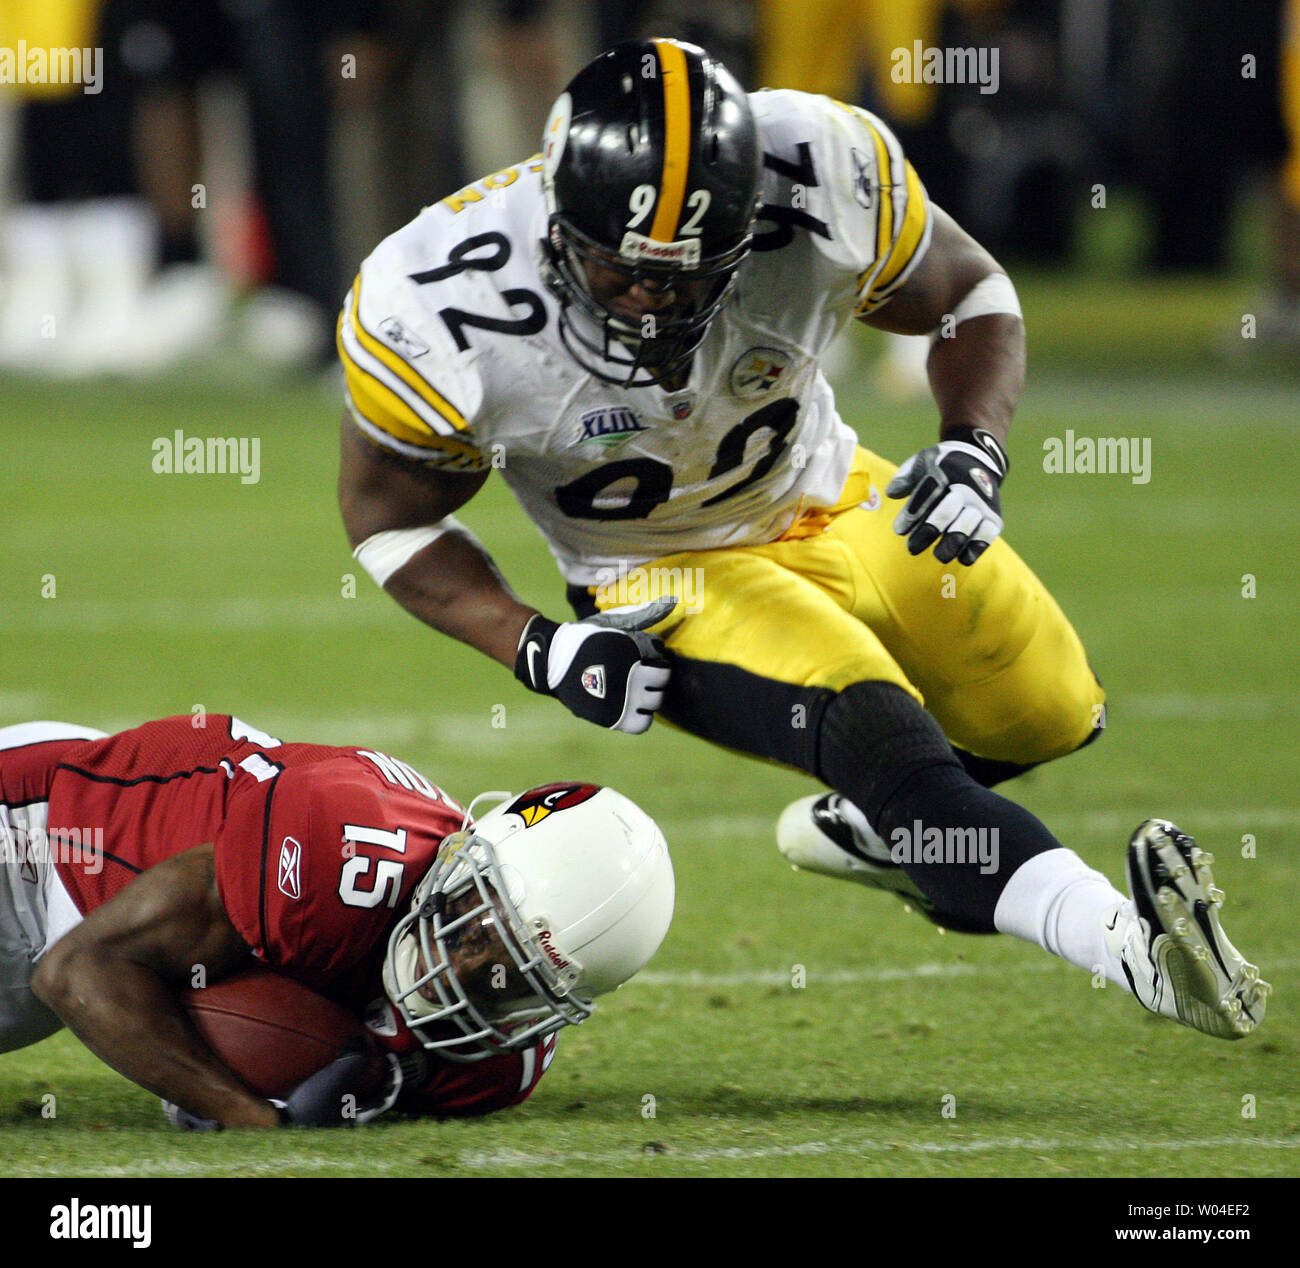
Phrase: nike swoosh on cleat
[1199,910]
[1132,985]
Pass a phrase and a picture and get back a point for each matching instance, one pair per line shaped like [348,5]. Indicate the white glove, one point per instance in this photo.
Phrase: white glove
[605,669]
[954,497]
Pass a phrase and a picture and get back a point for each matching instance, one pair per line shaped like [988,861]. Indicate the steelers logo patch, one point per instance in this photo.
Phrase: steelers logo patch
[757,371]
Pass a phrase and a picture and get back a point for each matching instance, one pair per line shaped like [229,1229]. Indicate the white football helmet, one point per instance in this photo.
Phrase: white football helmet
[552,898]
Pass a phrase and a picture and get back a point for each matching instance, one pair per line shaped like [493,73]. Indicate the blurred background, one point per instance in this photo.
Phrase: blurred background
[214,197]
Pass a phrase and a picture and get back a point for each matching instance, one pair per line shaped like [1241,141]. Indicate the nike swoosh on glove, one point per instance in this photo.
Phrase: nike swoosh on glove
[953,499]
[605,669]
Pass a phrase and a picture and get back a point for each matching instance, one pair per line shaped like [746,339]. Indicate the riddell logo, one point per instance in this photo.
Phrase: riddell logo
[544,940]
[685,251]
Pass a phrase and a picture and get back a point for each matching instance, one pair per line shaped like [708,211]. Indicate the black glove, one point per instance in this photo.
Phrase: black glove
[328,1098]
[954,495]
[605,669]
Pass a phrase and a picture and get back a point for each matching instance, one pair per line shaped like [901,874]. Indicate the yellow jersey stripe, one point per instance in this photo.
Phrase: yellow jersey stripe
[677,140]
[910,233]
[384,409]
[446,453]
[884,190]
[885,214]
[376,401]
[402,369]
[879,295]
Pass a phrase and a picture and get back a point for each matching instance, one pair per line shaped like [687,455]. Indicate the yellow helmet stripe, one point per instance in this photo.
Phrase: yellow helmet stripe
[677,140]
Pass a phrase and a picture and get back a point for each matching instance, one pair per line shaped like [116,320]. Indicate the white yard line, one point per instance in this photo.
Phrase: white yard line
[615,1159]
[845,1146]
[1091,823]
[850,976]
[195,614]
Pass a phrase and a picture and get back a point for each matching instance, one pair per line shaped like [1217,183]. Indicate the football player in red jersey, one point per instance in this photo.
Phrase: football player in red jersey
[128,861]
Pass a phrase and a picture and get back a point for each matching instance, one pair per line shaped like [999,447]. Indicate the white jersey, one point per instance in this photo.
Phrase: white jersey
[36,909]
[452,354]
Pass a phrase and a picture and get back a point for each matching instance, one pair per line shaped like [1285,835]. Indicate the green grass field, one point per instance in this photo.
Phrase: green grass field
[172,592]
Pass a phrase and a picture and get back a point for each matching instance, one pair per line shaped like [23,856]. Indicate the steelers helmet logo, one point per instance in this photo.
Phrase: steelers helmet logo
[757,371]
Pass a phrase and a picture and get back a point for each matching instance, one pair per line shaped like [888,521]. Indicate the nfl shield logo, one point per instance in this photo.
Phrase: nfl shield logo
[682,409]
[593,681]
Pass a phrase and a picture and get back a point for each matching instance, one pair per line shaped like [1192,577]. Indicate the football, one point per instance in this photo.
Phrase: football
[271,1031]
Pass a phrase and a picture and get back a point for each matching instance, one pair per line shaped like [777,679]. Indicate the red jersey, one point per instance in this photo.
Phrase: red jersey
[317,849]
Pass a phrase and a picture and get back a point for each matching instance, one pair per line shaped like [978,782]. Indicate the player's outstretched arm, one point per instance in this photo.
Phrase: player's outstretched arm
[976,366]
[113,980]
[450,583]
[977,363]
[605,669]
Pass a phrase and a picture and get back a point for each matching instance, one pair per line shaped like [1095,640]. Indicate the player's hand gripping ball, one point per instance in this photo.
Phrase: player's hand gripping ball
[307,1055]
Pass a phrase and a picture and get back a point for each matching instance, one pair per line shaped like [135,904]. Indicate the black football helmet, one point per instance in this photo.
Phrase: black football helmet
[651,168]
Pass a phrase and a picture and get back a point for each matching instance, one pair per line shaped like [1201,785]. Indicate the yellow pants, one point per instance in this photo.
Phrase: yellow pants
[985,649]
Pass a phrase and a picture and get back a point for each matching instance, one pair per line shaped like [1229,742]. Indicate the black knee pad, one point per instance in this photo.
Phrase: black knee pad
[880,749]
[873,738]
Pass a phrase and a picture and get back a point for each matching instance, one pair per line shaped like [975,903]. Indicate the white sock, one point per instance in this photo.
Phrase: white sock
[1056,901]
[37,291]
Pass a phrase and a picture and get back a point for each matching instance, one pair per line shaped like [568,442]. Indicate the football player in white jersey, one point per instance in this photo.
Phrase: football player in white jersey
[629,327]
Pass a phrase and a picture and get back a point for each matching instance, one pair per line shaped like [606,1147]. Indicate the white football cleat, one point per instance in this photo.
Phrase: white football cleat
[818,834]
[1175,955]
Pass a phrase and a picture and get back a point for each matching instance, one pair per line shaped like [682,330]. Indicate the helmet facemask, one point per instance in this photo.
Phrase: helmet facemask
[651,168]
[468,975]
[628,351]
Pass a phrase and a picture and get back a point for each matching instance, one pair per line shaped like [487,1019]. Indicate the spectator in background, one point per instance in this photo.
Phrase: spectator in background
[403,139]
[78,243]
[276,51]
[131,286]
[726,28]
[1280,322]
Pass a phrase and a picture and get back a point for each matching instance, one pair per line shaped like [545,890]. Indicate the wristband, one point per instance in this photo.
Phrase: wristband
[532,660]
[382,554]
[995,294]
[982,439]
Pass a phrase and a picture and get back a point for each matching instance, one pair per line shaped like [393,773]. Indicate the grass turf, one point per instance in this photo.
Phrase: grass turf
[177,592]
